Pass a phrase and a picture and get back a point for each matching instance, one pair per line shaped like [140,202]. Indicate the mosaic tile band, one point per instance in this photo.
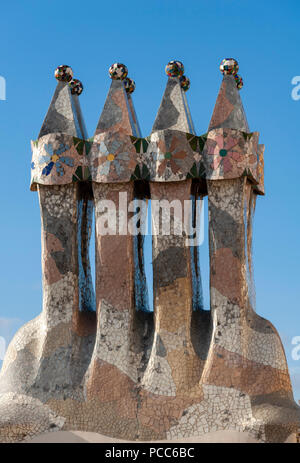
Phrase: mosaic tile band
[168,155]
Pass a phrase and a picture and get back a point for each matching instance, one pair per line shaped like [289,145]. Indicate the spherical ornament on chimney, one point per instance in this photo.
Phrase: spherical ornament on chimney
[185,83]
[174,69]
[76,86]
[118,71]
[229,66]
[239,81]
[129,85]
[63,73]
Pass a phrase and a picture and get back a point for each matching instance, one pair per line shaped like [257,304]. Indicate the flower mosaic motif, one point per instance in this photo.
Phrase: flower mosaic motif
[59,159]
[108,159]
[169,158]
[55,159]
[226,150]
[113,159]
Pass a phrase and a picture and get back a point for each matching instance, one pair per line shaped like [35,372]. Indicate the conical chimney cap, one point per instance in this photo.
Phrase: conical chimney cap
[229,111]
[174,112]
[64,114]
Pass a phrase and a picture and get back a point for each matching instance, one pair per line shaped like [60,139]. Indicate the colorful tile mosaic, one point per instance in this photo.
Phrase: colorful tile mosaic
[239,81]
[118,114]
[63,73]
[227,153]
[169,155]
[113,159]
[55,159]
[229,66]
[185,83]
[180,372]
[118,71]
[129,85]
[76,87]
[174,111]
[174,68]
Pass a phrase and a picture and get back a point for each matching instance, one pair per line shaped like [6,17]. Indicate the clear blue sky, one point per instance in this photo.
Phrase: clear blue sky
[89,36]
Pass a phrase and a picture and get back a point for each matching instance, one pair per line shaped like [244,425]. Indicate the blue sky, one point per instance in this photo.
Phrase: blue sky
[89,36]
